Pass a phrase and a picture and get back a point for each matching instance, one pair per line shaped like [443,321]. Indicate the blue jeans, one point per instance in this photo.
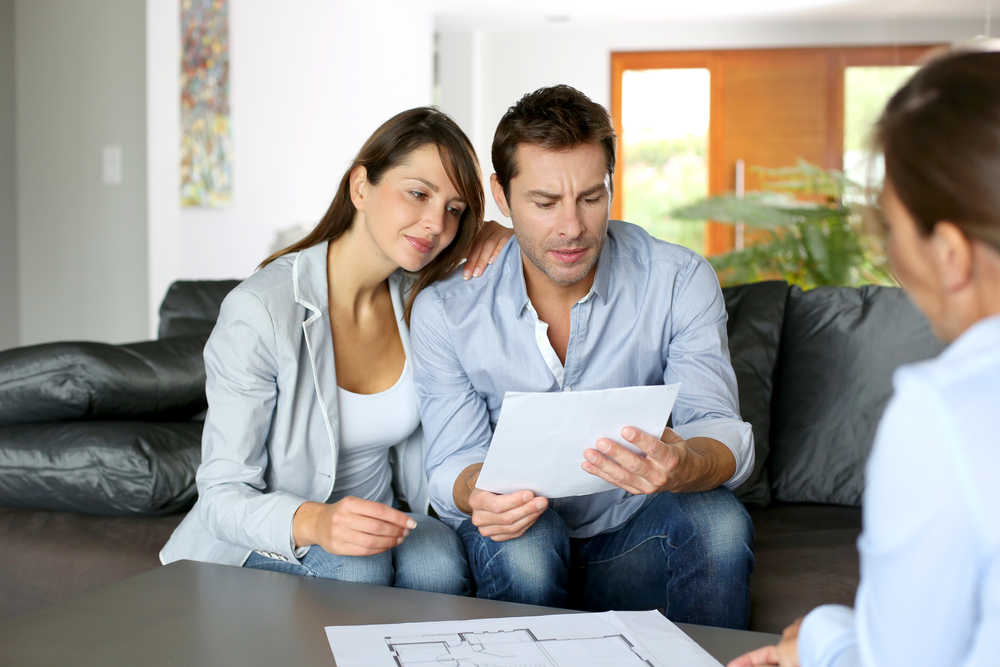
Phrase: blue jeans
[689,554]
[430,559]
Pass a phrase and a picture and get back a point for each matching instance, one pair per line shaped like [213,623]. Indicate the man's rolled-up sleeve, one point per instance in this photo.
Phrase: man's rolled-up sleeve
[697,356]
[455,417]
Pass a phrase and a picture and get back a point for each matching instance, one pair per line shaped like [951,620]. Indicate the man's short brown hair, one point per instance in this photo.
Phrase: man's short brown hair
[555,118]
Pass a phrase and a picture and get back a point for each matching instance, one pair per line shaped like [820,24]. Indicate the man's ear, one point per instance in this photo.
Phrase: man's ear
[953,253]
[358,181]
[498,195]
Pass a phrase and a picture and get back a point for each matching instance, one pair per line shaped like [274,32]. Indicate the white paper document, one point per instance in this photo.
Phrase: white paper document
[621,639]
[540,438]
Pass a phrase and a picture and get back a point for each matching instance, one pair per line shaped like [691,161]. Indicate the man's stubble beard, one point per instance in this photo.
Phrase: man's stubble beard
[539,257]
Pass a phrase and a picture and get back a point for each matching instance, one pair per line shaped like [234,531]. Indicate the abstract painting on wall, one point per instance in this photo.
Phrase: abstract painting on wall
[206,144]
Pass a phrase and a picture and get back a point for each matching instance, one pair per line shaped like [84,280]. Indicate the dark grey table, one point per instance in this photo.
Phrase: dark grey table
[191,613]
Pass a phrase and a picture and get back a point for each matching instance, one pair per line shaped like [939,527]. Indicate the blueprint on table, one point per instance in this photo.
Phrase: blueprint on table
[623,639]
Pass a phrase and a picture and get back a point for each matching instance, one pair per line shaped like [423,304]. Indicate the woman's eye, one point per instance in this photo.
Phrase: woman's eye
[419,195]
[457,212]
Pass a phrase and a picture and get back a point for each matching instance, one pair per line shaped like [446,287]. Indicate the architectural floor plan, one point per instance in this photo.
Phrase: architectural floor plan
[616,639]
[512,648]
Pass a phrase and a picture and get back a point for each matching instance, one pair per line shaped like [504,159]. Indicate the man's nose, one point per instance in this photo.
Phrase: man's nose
[571,223]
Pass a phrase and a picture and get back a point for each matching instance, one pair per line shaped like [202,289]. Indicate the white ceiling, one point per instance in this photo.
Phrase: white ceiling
[490,13]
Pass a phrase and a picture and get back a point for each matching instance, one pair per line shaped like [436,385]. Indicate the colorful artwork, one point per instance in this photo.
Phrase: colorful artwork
[206,145]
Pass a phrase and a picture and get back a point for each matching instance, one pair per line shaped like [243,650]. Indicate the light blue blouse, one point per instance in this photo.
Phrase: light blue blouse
[930,549]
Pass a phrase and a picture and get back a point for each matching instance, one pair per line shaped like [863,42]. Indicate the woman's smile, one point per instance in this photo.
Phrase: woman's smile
[420,245]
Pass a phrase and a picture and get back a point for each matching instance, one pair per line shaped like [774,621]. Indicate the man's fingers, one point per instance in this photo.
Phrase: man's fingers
[526,522]
[486,517]
[766,655]
[662,456]
[505,514]
[498,504]
[648,443]
[610,471]
[626,459]
[509,529]
[615,464]
[505,537]
[670,436]
[500,533]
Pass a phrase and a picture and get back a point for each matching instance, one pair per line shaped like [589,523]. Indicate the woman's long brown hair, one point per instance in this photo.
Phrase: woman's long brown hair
[389,146]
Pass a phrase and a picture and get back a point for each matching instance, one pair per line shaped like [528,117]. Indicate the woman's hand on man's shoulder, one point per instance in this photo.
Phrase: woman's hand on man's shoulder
[486,248]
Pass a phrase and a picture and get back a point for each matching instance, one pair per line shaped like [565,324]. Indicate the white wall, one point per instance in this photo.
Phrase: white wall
[163,140]
[80,85]
[10,318]
[487,71]
[308,84]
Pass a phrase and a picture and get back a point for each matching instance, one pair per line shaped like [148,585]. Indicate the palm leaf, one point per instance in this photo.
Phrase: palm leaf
[808,244]
[757,209]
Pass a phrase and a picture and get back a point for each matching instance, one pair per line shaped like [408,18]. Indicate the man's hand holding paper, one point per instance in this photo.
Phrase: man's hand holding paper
[668,464]
[541,440]
[499,517]
[649,472]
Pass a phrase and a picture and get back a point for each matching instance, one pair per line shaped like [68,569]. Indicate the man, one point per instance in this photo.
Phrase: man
[578,303]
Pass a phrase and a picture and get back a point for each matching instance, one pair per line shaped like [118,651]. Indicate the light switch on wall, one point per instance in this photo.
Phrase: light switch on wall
[111,165]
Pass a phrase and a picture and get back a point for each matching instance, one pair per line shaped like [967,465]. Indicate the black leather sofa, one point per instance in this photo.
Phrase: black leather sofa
[94,482]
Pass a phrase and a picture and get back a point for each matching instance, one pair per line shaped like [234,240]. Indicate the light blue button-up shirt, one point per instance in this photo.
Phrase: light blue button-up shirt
[655,315]
[930,549]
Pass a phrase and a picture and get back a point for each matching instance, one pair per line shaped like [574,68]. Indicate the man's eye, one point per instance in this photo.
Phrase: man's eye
[544,204]
[592,200]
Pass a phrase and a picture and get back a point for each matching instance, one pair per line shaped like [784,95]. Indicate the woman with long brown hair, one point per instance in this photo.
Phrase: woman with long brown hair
[312,448]
[930,548]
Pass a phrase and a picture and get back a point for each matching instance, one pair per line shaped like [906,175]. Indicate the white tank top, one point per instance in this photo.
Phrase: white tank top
[369,425]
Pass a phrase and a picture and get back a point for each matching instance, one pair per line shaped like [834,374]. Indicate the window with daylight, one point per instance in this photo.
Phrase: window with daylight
[665,114]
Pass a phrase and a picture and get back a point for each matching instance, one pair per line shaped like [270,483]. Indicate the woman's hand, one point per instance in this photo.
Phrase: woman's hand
[350,527]
[785,654]
[485,248]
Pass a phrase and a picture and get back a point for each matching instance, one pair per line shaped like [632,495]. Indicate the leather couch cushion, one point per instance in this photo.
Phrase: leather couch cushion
[162,380]
[111,468]
[755,316]
[839,348]
[192,306]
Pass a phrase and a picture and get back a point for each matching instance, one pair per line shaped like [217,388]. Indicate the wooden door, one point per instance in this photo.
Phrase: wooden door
[769,107]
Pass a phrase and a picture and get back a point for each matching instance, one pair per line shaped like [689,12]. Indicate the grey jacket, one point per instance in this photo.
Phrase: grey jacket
[271,432]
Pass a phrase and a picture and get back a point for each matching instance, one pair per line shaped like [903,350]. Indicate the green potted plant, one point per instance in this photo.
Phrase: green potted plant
[809,231]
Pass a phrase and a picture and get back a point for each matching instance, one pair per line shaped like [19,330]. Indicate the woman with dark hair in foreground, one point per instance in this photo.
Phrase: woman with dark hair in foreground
[930,549]
[312,453]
